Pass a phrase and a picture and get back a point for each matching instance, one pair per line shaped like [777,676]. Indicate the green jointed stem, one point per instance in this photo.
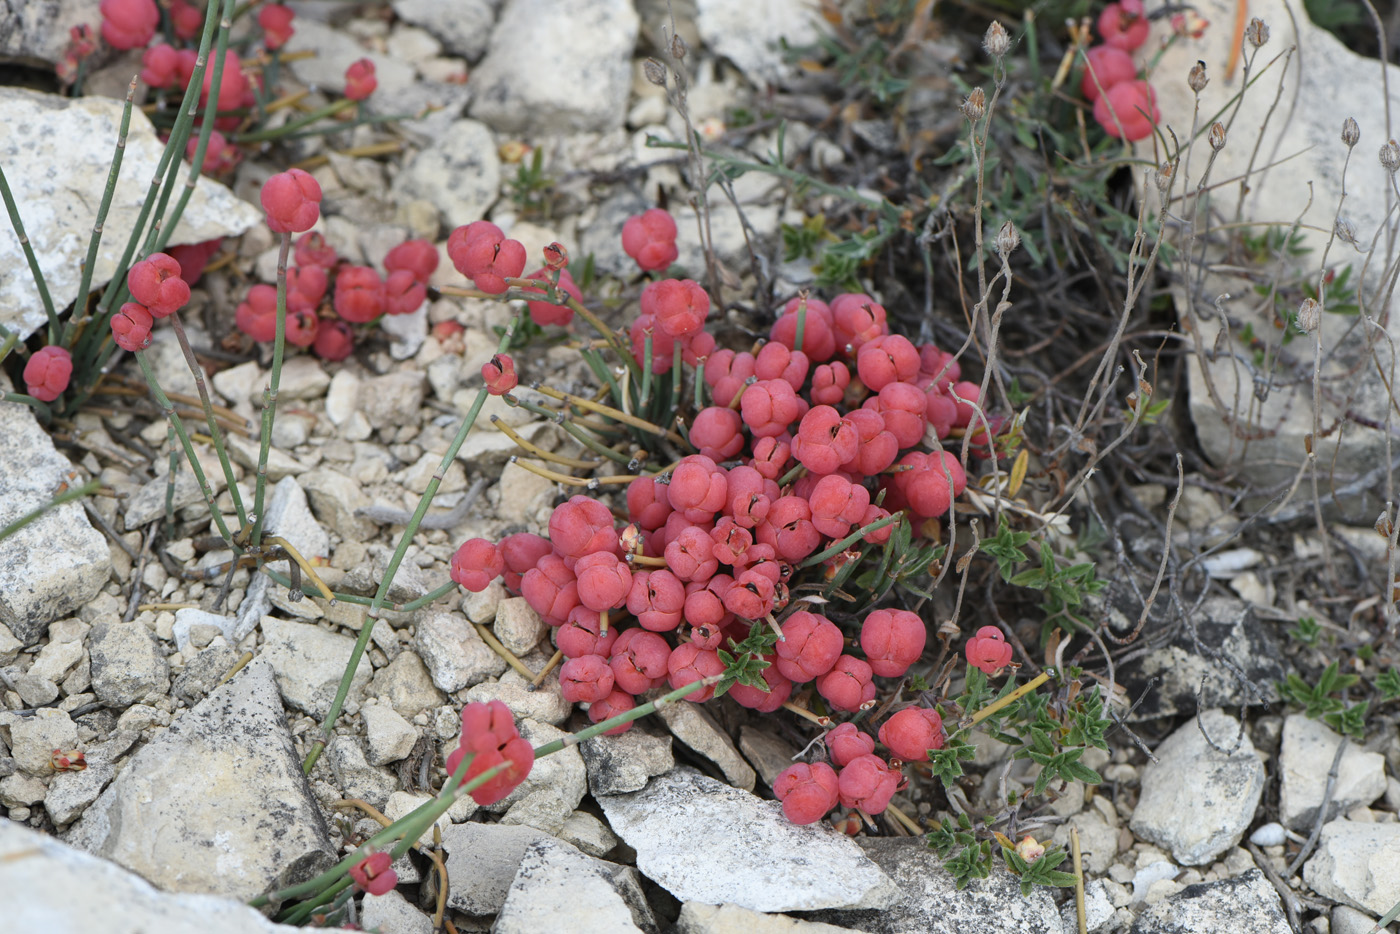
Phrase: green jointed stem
[676,374]
[173,418]
[310,590]
[89,346]
[170,479]
[65,497]
[851,539]
[329,110]
[28,248]
[214,432]
[270,393]
[407,829]
[206,130]
[85,284]
[583,437]
[401,549]
[647,351]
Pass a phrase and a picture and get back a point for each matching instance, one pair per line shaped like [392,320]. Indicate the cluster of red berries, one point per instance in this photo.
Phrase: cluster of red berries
[1124,105]
[490,739]
[159,291]
[357,294]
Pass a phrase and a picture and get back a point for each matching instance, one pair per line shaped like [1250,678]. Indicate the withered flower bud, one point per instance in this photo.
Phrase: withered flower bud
[976,105]
[678,48]
[1217,136]
[1165,172]
[1257,32]
[1196,78]
[1351,133]
[655,72]
[1345,230]
[1390,156]
[1008,239]
[1309,315]
[996,42]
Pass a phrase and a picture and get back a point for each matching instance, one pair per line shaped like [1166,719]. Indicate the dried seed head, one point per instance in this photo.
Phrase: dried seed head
[1384,526]
[1217,136]
[1309,315]
[655,72]
[1196,78]
[1165,171]
[1257,33]
[1345,230]
[996,42]
[1008,239]
[976,105]
[678,48]
[1390,156]
[1351,133]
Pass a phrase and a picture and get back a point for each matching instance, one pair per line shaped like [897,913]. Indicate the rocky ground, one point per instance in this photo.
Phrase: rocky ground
[114,641]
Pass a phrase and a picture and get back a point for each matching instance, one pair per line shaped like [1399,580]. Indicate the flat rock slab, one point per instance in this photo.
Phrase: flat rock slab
[1305,760]
[216,803]
[1357,864]
[482,860]
[751,34]
[1246,902]
[46,885]
[309,662]
[696,918]
[1225,625]
[57,152]
[929,902]
[1197,801]
[705,841]
[625,762]
[558,888]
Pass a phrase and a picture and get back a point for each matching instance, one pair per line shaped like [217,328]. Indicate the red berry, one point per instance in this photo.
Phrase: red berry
[360,81]
[903,406]
[373,875]
[680,306]
[547,313]
[940,412]
[476,564]
[848,684]
[837,505]
[1134,104]
[359,294]
[522,551]
[824,440]
[731,540]
[551,589]
[403,293]
[855,320]
[186,19]
[770,457]
[689,663]
[311,250]
[155,282]
[292,200]
[334,341]
[650,239]
[232,86]
[829,382]
[690,556]
[517,754]
[657,599]
[704,601]
[810,646]
[775,361]
[47,372]
[499,374]
[988,650]
[580,634]
[867,783]
[160,66]
[699,488]
[193,257]
[818,338]
[717,432]
[648,503]
[581,527]
[892,640]
[131,327]
[912,732]
[419,257]
[887,359]
[276,22]
[640,661]
[129,24]
[256,316]
[302,326]
[585,679]
[752,595]
[1107,65]
[618,702]
[926,486]
[750,496]
[876,446]
[1123,25]
[846,742]
[789,529]
[769,407]
[603,581]
[808,792]
[971,393]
